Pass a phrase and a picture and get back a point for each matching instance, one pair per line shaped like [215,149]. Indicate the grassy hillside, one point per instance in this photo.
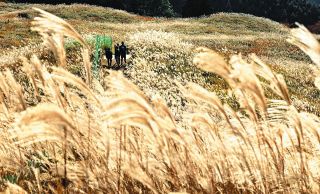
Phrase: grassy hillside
[176,118]
[223,32]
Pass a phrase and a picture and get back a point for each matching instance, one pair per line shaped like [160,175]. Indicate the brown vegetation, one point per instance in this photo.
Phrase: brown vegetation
[62,133]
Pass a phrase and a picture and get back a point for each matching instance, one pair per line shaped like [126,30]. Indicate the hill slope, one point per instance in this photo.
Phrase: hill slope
[227,33]
[219,127]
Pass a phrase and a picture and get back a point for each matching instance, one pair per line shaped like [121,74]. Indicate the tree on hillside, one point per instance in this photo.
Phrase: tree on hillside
[288,11]
[151,7]
[195,8]
[302,11]
[221,6]
[177,6]
[137,6]
[161,8]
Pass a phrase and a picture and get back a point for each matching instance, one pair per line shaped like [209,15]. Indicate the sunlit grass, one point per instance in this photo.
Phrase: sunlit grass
[181,119]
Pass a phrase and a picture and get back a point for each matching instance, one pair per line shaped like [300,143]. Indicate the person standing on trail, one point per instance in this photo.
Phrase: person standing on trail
[109,56]
[123,53]
[117,53]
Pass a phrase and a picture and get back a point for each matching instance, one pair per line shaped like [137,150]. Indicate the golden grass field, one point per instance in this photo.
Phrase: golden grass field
[194,111]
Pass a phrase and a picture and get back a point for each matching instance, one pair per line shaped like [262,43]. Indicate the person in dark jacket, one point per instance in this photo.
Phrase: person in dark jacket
[109,56]
[123,53]
[117,53]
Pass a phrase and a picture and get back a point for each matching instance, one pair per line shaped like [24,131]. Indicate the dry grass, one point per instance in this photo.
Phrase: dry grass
[228,34]
[60,133]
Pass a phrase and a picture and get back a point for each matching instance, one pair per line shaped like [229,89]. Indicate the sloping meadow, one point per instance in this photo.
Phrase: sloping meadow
[160,62]
[81,137]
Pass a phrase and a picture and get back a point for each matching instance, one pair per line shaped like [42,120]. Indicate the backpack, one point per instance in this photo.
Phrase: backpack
[123,49]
